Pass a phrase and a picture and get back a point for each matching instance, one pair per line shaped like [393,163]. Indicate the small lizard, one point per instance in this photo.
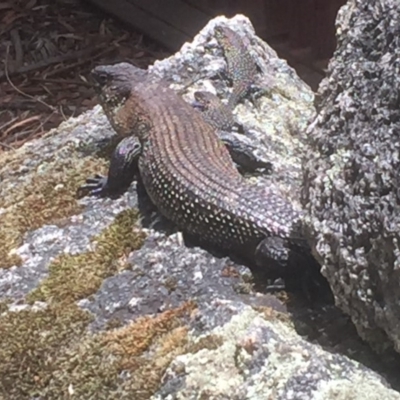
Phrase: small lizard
[241,68]
[190,177]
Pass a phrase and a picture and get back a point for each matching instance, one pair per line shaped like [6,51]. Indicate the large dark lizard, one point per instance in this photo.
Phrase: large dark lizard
[190,177]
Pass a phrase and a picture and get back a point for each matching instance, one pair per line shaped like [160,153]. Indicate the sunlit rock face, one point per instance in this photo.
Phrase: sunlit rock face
[351,177]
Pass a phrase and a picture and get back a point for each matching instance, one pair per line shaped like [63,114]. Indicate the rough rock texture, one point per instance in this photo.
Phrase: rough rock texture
[94,305]
[352,176]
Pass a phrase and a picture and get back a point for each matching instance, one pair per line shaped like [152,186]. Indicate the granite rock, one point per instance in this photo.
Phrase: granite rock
[351,179]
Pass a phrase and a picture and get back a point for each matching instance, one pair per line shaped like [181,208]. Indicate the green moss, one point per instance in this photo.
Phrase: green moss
[85,370]
[48,353]
[166,333]
[46,198]
[75,277]
[10,239]
[30,343]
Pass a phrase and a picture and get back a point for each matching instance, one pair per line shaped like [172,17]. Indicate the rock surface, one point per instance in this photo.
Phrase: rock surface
[94,305]
[352,176]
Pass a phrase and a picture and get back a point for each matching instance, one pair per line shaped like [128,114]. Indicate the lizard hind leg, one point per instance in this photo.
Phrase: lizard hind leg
[300,273]
[272,255]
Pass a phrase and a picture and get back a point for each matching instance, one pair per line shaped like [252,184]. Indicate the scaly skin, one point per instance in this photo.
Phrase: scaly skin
[214,111]
[243,152]
[190,177]
[241,68]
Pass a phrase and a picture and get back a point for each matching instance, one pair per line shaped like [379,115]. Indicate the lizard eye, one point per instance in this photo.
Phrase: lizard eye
[200,101]
[100,77]
[142,126]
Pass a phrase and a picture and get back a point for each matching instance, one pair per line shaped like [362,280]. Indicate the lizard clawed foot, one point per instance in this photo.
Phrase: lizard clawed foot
[123,168]
[95,186]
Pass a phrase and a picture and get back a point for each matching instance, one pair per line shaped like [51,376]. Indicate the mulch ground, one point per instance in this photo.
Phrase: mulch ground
[48,49]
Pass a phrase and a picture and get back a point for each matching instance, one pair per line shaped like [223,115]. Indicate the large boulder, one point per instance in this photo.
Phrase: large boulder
[95,305]
[352,177]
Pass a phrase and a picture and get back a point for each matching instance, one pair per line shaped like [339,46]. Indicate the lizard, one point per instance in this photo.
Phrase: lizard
[217,114]
[241,68]
[191,179]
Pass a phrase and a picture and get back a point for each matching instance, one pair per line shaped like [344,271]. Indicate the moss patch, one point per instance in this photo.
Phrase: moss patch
[48,353]
[45,198]
[165,334]
[44,352]
[75,277]
[31,342]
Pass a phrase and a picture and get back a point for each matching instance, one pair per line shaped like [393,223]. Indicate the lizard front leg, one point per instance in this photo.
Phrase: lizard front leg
[122,170]
[243,151]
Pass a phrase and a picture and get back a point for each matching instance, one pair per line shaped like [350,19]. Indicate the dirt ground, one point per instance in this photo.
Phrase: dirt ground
[48,49]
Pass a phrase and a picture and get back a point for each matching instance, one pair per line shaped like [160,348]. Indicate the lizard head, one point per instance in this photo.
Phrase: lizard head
[114,85]
[204,100]
[222,33]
